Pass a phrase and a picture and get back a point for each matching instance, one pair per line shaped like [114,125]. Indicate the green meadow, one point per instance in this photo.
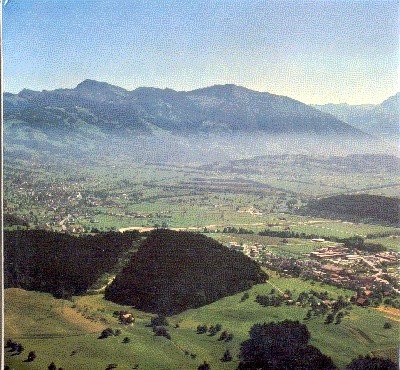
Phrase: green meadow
[66,332]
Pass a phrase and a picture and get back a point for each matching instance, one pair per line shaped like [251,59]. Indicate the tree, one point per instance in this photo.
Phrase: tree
[159,320]
[244,297]
[161,331]
[329,318]
[204,366]
[106,333]
[19,348]
[214,329]
[339,317]
[201,329]
[387,325]
[227,356]
[371,363]
[223,335]
[126,340]
[308,315]
[282,345]
[31,356]
[14,346]
[52,366]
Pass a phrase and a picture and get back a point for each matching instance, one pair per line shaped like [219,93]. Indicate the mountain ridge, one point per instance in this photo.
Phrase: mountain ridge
[376,119]
[218,108]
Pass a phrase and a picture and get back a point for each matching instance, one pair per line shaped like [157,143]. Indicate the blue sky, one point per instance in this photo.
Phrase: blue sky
[314,51]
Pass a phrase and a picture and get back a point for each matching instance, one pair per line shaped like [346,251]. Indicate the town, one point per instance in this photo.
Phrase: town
[373,276]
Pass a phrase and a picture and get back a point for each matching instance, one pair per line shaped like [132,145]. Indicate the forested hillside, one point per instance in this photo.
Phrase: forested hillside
[357,207]
[174,271]
[60,264]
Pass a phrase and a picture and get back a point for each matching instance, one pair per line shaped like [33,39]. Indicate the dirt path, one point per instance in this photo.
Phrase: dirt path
[273,285]
[360,335]
[109,281]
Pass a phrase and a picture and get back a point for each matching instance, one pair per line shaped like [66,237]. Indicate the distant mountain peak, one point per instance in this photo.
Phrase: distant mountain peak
[223,88]
[93,84]
[379,120]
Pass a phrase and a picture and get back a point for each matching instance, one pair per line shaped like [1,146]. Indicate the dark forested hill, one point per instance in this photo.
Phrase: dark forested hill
[174,271]
[57,263]
[357,207]
[96,107]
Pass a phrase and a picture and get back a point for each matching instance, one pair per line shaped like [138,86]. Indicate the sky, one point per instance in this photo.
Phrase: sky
[316,51]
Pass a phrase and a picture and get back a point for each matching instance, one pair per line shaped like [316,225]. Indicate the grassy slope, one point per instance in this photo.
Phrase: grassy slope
[55,328]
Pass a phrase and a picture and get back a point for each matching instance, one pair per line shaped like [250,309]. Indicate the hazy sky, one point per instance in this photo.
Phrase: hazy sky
[314,51]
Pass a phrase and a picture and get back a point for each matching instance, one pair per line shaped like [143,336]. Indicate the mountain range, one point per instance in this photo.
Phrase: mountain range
[98,108]
[378,120]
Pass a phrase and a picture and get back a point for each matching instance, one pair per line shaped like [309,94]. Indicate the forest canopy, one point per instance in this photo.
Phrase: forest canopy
[174,271]
[59,263]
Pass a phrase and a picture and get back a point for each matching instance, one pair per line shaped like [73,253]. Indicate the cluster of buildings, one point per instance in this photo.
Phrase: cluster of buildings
[335,265]
[355,269]
[253,211]
[63,205]
[254,251]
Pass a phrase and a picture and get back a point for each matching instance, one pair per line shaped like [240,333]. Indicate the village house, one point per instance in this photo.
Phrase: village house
[125,317]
